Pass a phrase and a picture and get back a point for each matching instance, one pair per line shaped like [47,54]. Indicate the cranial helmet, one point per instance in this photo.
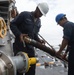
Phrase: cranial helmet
[43,7]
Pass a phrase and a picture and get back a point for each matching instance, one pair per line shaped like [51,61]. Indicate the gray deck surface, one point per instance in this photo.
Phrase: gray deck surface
[50,70]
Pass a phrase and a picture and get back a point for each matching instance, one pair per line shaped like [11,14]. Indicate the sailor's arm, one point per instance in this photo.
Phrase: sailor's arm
[63,45]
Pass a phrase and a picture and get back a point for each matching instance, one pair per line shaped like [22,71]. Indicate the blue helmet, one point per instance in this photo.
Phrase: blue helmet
[59,16]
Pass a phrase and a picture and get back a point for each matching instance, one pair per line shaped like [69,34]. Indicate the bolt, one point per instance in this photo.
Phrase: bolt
[9,66]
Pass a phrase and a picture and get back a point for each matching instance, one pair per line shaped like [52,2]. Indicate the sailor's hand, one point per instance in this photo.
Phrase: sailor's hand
[64,56]
[22,37]
[58,53]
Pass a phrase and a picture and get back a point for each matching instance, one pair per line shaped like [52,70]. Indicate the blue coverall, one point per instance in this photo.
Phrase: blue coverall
[24,23]
[69,35]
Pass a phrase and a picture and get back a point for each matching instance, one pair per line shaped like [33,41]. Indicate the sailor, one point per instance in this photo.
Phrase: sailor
[27,24]
[68,40]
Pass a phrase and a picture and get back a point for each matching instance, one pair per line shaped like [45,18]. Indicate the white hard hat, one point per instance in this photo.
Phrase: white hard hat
[43,7]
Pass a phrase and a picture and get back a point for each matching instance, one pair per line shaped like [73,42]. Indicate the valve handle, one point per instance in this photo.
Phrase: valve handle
[3,28]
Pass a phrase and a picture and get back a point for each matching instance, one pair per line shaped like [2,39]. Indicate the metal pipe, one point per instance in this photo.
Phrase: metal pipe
[21,62]
[44,48]
[18,60]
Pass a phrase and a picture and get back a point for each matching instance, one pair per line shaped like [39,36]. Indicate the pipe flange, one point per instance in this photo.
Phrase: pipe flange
[9,65]
[26,62]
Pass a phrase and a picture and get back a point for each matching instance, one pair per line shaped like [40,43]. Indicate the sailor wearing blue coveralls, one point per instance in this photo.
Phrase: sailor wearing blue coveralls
[68,40]
[27,24]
